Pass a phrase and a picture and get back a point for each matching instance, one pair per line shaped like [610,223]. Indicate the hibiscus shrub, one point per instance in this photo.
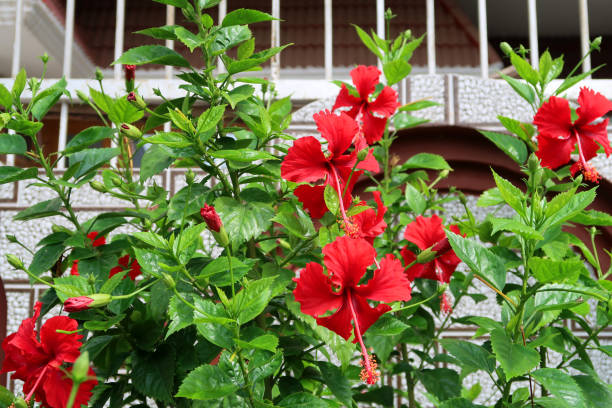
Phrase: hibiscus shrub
[276,285]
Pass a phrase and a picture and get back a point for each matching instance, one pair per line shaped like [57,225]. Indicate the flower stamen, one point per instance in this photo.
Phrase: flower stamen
[369,374]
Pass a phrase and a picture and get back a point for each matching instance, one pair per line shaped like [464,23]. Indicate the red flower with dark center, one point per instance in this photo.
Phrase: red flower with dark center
[372,115]
[558,135]
[74,270]
[347,260]
[211,218]
[124,264]
[38,363]
[370,223]
[95,241]
[306,163]
[427,232]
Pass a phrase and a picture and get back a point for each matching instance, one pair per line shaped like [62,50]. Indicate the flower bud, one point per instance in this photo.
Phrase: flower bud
[116,180]
[82,96]
[20,403]
[15,262]
[136,100]
[441,247]
[96,185]
[363,153]
[80,368]
[211,218]
[168,280]
[99,75]
[130,75]
[44,58]
[595,44]
[189,176]
[506,48]
[77,304]
[130,131]
[444,173]
[426,256]
[12,239]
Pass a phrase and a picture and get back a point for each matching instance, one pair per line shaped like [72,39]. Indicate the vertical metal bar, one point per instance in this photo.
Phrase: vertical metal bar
[10,158]
[431,37]
[328,47]
[170,18]
[483,39]
[119,29]
[380,22]
[275,40]
[583,11]
[533,33]
[66,71]
[222,14]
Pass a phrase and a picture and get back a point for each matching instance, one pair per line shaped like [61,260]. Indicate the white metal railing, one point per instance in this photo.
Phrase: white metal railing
[300,88]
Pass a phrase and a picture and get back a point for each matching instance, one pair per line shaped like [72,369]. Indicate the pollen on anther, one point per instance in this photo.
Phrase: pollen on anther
[369,373]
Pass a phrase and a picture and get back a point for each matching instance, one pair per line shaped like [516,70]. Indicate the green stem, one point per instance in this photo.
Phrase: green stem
[295,250]
[137,291]
[247,381]
[73,394]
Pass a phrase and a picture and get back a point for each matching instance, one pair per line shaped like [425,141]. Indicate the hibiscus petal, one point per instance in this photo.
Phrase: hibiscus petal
[366,315]
[446,265]
[61,346]
[386,102]
[347,259]
[416,271]
[55,389]
[312,198]
[597,132]
[339,322]
[345,99]
[589,147]
[304,162]
[369,163]
[314,291]
[365,79]
[338,130]
[425,232]
[554,118]
[388,284]
[593,105]
[373,127]
[371,223]
[554,152]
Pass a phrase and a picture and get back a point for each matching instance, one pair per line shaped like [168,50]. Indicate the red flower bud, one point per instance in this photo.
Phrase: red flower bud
[75,268]
[211,217]
[130,72]
[77,304]
[442,247]
[131,97]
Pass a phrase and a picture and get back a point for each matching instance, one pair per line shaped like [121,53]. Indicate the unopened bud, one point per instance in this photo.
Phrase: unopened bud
[211,218]
[363,153]
[99,75]
[20,403]
[506,48]
[116,180]
[596,43]
[130,131]
[130,75]
[15,262]
[462,198]
[82,96]
[80,368]
[12,239]
[96,185]
[168,280]
[426,256]
[80,303]
[444,173]
[221,237]
[136,100]
[189,176]
[44,58]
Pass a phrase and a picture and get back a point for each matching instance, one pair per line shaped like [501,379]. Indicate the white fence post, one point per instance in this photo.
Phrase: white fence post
[533,33]
[583,11]
[483,38]
[328,45]
[275,41]
[431,38]
[66,70]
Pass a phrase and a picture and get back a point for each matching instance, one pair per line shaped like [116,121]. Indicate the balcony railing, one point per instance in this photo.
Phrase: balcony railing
[305,89]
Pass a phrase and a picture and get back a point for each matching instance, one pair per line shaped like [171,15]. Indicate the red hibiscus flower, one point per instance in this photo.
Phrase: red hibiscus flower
[558,135]
[370,223]
[427,232]
[346,260]
[372,115]
[306,163]
[96,242]
[38,363]
[124,264]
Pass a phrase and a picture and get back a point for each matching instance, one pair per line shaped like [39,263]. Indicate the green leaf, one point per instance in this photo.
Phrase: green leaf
[444,383]
[418,105]
[368,42]
[573,80]
[338,384]
[513,147]
[470,354]
[154,161]
[459,403]
[560,385]
[12,144]
[45,258]
[267,342]
[593,217]
[254,61]
[573,207]
[153,373]
[253,299]
[92,159]
[40,210]
[217,271]
[242,155]
[331,199]
[151,238]
[481,260]
[47,98]
[524,69]
[210,319]
[243,221]
[176,3]
[19,85]
[550,271]
[88,137]
[245,50]
[511,194]
[515,226]
[387,325]
[152,54]
[425,161]
[229,37]
[403,120]
[415,199]
[515,359]
[6,99]
[25,127]
[238,94]
[170,139]
[596,394]
[161,33]
[191,40]
[396,70]
[300,226]
[207,382]
[524,90]
[190,235]
[303,400]
[243,16]
[209,119]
